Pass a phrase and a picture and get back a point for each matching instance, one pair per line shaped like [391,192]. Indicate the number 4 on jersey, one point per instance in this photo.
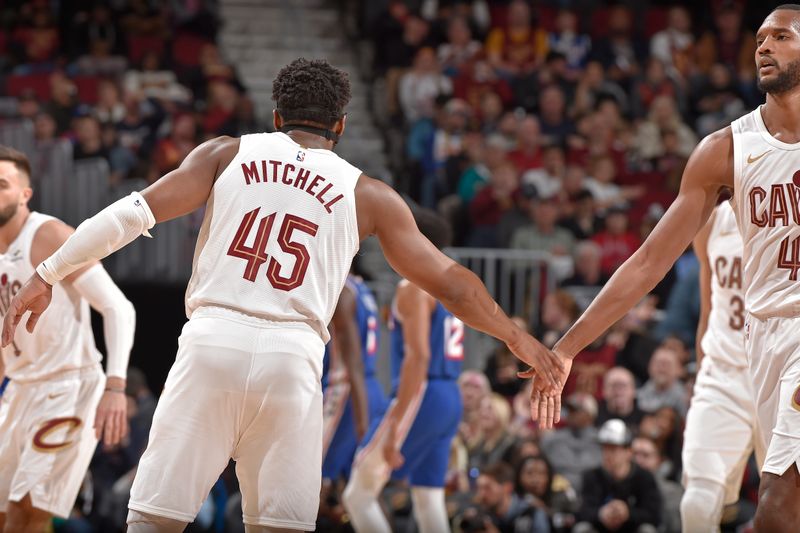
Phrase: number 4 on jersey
[256,255]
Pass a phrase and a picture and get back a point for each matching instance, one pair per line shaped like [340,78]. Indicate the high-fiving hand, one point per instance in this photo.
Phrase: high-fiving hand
[34,296]
[545,364]
[545,402]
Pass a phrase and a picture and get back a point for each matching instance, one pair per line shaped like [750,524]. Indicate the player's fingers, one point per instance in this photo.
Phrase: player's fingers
[98,424]
[526,374]
[123,422]
[557,407]
[32,320]
[534,402]
[550,410]
[10,322]
[108,430]
[543,422]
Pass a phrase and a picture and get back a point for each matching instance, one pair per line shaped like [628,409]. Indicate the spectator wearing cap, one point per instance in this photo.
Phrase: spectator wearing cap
[648,456]
[573,449]
[664,388]
[619,398]
[505,509]
[583,221]
[619,495]
[617,243]
[543,235]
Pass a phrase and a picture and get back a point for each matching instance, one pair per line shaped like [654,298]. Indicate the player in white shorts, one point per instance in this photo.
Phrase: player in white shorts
[758,157]
[58,402]
[721,423]
[284,218]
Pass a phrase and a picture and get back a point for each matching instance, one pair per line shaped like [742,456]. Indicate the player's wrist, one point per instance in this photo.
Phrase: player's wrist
[115,390]
[41,278]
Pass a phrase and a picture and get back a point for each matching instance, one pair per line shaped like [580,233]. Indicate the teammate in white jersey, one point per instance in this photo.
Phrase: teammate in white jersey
[58,402]
[758,157]
[721,423]
[284,218]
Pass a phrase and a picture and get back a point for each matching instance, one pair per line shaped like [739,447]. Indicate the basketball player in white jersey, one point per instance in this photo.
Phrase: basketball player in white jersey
[284,218]
[758,156]
[721,423]
[58,402]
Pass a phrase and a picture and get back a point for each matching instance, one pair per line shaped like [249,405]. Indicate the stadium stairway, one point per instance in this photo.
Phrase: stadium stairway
[261,36]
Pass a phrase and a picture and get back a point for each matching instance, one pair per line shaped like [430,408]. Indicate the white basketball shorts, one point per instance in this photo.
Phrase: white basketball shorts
[246,389]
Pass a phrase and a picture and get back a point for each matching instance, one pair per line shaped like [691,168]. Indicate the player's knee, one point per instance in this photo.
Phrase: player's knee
[701,506]
[356,495]
[139,522]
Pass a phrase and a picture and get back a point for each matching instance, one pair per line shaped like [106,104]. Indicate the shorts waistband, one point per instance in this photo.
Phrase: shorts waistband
[63,375]
[252,320]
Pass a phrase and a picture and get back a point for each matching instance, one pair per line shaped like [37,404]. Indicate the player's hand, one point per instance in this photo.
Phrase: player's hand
[391,449]
[545,403]
[547,365]
[34,296]
[111,420]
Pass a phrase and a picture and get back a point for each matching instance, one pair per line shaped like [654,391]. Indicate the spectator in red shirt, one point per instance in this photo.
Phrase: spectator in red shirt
[617,242]
[491,202]
[528,153]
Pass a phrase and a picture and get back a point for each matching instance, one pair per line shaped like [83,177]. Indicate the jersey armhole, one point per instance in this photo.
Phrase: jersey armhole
[737,163]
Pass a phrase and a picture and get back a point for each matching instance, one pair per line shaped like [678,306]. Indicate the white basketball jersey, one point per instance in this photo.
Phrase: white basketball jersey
[724,337]
[63,338]
[767,205]
[279,233]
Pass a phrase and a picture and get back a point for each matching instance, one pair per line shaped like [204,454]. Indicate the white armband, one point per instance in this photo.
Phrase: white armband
[119,317]
[97,237]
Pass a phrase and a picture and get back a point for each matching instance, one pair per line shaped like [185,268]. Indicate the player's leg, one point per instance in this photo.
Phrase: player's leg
[717,444]
[195,425]
[266,529]
[23,517]
[279,453]
[430,511]
[369,475]
[778,508]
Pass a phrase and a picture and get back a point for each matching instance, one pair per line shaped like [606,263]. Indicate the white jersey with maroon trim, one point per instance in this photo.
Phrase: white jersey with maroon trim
[767,205]
[63,338]
[279,233]
[724,337]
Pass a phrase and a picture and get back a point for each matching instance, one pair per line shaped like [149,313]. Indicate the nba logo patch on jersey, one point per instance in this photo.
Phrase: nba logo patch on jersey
[301,155]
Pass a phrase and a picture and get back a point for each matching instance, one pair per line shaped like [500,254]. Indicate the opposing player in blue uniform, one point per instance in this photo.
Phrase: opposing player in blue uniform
[414,436]
[353,396]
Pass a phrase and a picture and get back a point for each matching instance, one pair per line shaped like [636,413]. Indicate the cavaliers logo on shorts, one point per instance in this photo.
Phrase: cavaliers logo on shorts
[796,398]
[42,444]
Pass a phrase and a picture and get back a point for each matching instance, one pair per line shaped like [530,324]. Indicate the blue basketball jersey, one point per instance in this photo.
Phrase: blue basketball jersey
[446,344]
[367,319]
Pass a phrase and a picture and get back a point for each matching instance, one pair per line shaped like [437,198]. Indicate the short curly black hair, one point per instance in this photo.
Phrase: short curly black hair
[311,91]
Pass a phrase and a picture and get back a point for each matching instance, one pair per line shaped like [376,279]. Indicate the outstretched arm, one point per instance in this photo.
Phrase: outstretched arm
[700,245]
[709,170]
[180,192]
[382,212]
[347,338]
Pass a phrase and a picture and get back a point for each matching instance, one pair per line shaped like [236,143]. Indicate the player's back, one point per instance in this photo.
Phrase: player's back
[445,345]
[724,338]
[63,338]
[279,234]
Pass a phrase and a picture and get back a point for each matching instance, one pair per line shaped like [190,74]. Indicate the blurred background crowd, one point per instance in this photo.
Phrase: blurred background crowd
[552,126]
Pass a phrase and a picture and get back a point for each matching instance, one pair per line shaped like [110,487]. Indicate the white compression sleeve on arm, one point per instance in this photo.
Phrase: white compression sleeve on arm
[119,317]
[99,236]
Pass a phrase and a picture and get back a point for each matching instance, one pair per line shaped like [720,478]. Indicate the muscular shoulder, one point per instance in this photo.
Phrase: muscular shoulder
[712,160]
[376,204]
[220,149]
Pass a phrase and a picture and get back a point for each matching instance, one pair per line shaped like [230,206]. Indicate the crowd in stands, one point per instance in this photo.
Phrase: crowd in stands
[531,126]
[138,84]
[564,127]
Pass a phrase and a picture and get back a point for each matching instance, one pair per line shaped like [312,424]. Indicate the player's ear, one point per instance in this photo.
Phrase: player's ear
[277,120]
[338,128]
[26,195]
